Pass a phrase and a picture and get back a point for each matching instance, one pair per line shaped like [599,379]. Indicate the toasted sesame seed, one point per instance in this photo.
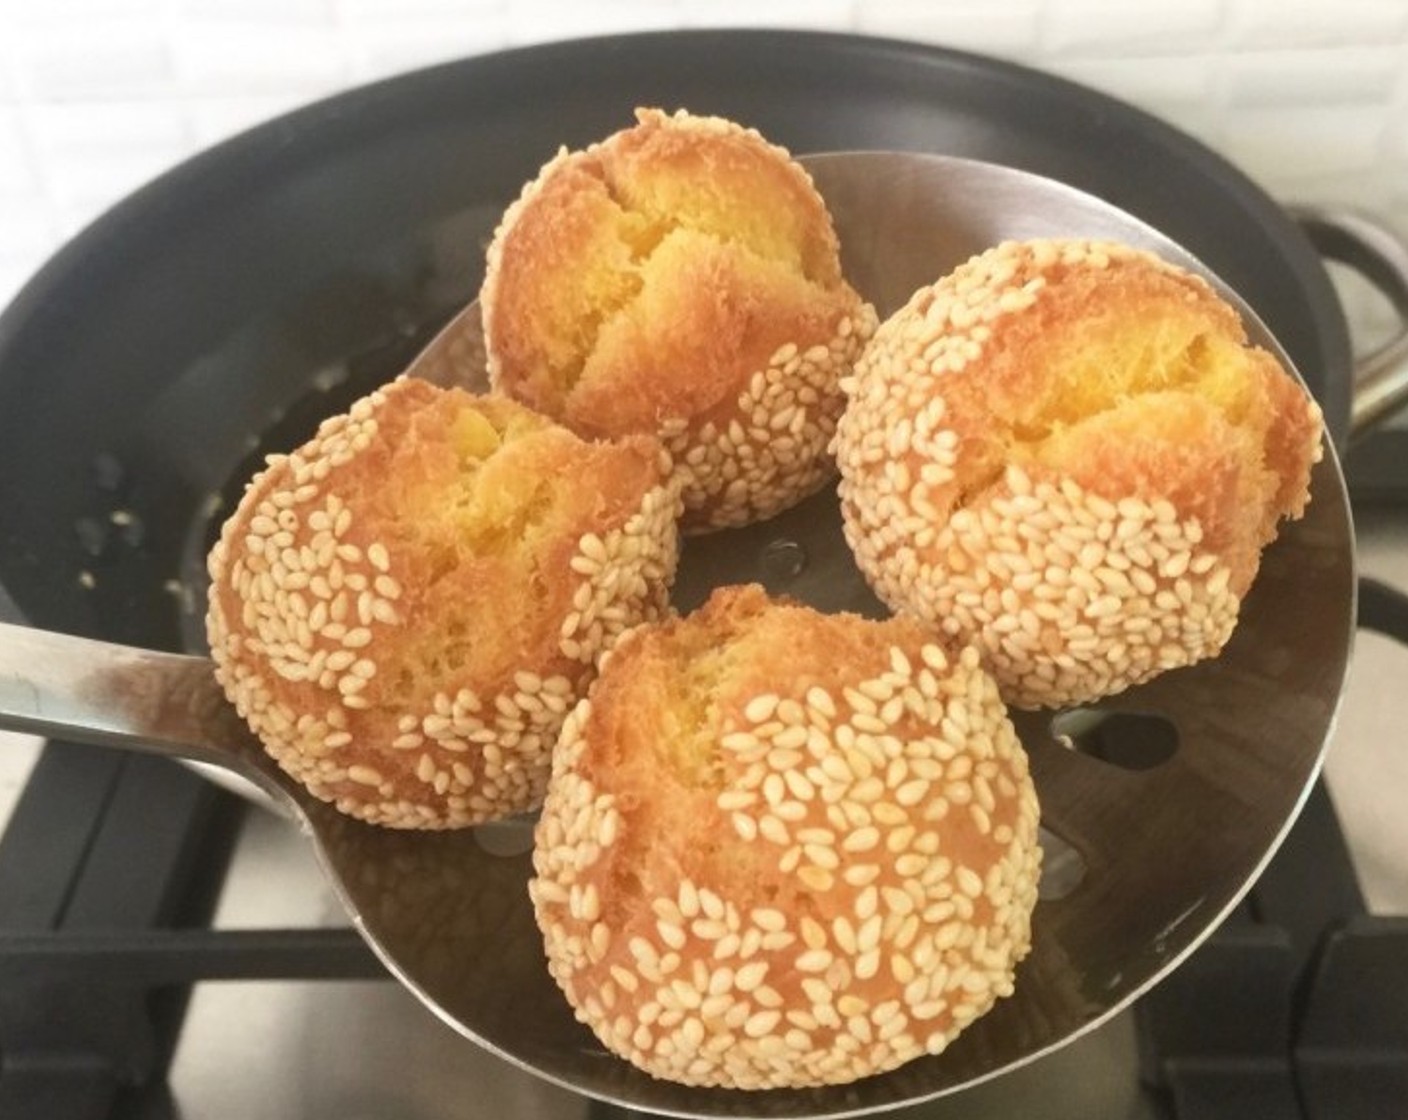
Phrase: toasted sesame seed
[760,708]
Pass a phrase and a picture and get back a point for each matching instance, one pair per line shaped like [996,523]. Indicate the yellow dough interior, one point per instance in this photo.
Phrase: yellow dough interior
[496,510]
[629,276]
[1112,361]
[688,740]
[482,515]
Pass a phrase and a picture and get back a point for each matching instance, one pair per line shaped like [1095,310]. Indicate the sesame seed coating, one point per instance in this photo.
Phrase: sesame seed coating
[1065,453]
[405,608]
[745,880]
[681,278]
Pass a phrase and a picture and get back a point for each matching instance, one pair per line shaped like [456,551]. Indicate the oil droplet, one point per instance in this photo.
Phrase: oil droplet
[783,560]
[109,474]
[92,536]
[1062,867]
[131,529]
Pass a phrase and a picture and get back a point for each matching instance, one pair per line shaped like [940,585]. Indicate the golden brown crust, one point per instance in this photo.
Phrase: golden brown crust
[406,607]
[782,848]
[680,278]
[1066,452]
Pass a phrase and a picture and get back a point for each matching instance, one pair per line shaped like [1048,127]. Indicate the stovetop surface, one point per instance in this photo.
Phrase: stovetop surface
[1367,764]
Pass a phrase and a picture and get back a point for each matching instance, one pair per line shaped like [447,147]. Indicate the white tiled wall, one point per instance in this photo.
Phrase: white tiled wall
[1308,96]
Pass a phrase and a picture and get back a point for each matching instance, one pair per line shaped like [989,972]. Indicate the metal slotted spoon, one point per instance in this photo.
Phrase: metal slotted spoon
[1144,855]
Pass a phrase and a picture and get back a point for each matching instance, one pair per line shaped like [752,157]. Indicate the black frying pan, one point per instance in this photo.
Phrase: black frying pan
[223,309]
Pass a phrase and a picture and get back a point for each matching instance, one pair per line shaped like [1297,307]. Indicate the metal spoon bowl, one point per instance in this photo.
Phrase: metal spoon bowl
[1146,849]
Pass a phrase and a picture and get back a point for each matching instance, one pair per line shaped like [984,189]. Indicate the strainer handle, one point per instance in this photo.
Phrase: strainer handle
[86,691]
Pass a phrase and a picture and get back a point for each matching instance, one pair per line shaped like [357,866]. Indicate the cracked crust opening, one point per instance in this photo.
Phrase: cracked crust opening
[681,278]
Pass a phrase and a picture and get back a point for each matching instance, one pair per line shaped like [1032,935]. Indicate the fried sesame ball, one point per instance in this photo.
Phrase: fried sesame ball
[681,278]
[785,849]
[1067,453]
[405,608]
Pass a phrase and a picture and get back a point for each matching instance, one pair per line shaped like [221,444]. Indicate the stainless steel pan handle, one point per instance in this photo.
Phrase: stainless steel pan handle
[1380,255]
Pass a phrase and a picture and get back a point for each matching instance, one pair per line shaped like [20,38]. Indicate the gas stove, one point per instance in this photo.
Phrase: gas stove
[167,949]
